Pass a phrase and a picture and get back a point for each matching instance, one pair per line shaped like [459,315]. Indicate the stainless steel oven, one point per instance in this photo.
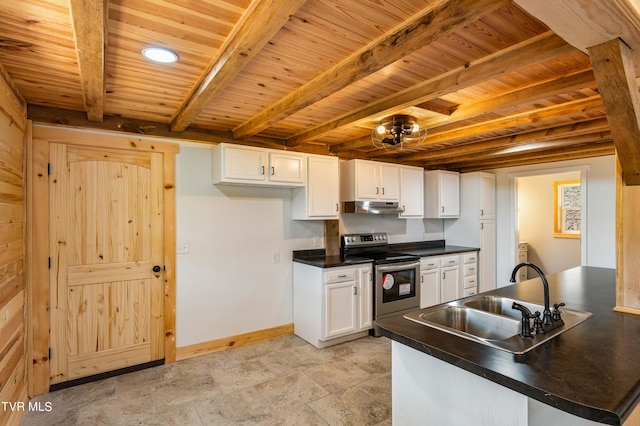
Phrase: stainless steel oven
[396,288]
[396,284]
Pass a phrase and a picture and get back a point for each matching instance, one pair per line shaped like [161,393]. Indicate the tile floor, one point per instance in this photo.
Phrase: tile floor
[283,381]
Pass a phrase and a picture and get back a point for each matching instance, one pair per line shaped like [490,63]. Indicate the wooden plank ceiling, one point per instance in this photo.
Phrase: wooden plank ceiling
[493,86]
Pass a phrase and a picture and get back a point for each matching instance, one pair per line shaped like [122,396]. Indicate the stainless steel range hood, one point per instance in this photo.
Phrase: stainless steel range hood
[371,207]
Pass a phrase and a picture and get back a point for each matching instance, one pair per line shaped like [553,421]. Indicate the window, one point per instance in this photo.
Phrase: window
[568,213]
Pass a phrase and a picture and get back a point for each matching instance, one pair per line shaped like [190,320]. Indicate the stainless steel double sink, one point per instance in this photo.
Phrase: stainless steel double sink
[491,321]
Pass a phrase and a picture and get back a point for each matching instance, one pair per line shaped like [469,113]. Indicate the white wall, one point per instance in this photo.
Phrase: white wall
[600,211]
[229,284]
[398,230]
[536,223]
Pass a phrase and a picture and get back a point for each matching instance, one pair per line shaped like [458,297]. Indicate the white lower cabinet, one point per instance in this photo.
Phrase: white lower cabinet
[446,278]
[450,282]
[332,305]
[429,285]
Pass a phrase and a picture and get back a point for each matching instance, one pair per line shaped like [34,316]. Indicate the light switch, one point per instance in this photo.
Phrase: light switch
[182,248]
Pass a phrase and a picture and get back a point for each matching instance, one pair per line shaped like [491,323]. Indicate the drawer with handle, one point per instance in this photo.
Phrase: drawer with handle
[471,258]
[340,275]
[449,261]
[470,269]
[429,263]
[470,282]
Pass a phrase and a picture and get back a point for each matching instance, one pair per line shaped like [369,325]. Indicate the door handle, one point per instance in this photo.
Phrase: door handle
[157,269]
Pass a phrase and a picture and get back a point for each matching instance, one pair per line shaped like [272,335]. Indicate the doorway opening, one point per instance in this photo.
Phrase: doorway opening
[550,218]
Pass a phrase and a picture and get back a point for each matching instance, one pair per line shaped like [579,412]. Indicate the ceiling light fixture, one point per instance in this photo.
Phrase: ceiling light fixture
[398,131]
[160,54]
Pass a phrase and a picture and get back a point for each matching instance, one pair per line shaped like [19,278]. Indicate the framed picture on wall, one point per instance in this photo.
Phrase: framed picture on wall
[568,209]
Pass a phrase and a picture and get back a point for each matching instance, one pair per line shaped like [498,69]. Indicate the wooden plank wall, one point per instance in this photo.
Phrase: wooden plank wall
[13,126]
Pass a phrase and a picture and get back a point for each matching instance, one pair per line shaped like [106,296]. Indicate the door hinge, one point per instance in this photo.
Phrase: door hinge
[49,262]
[49,354]
[49,169]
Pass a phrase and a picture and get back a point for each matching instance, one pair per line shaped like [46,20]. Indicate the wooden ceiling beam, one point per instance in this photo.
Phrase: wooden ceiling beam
[558,86]
[526,53]
[569,111]
[90,33]
[586,23]
[260,22]
[432,23]
[614,70]
[545,156]
[473,154]
[543,135]
[40,114]
[591,105]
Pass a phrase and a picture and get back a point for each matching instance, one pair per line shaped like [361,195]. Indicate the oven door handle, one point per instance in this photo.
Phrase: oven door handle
[397,266]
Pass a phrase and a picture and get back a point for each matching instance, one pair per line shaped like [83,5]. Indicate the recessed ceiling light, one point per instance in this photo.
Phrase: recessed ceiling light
[160,54]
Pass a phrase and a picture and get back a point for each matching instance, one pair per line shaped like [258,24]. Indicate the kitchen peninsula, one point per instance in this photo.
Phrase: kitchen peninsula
[588,374]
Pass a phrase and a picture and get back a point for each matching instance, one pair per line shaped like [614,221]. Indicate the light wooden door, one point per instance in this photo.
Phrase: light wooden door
[106,248]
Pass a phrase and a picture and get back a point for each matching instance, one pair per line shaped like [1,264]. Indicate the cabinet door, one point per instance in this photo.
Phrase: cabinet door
[244,164]
[487,256]
[487,196]
[411,192]
[287,168]
[429,288]
[449,194]
[367,180]
[365,297]
[323,187]
[340,309]
[449,283]
[389,182]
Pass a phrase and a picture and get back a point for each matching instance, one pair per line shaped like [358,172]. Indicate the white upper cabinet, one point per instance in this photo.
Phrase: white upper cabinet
[237,164]
[286,167]
[442,194]
[411,192]
[389,182]
[241,164]
[487,196]
[363,180]
[319,199]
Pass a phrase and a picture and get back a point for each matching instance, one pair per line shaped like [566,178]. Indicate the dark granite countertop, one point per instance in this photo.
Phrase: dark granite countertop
[591,371]
[429,248]
[318,257]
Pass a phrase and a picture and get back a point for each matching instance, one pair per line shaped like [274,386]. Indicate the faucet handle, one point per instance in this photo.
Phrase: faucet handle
[556,311]
[526,316]
[537,323]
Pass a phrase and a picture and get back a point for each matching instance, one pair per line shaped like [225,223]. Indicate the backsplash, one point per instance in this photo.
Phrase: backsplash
[398,230]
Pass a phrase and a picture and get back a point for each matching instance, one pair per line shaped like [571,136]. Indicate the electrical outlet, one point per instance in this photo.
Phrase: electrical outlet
[316,241]
[182,248]
[276,257]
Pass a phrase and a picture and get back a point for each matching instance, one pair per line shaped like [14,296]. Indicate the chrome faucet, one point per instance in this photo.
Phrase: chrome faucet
[549,321]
